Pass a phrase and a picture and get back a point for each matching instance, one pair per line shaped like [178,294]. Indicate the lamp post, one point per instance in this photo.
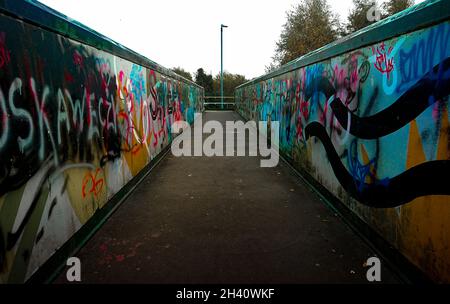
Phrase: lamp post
[221,62]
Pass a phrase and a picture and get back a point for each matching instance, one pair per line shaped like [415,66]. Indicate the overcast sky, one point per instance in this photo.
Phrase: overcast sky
[187,33]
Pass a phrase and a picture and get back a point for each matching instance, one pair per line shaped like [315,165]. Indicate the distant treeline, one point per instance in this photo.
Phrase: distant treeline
[212,84]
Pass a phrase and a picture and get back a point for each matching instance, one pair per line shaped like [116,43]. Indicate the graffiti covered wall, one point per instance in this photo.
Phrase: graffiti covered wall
[372,126]
[76,124]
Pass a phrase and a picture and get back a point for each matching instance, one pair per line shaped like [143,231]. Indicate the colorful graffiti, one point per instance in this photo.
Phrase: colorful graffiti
[379,117]
[77,124]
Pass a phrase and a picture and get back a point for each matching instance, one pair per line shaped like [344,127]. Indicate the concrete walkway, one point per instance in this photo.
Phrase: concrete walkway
[224,220]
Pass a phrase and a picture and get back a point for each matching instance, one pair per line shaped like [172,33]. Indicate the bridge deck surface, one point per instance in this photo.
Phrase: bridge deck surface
[224,220]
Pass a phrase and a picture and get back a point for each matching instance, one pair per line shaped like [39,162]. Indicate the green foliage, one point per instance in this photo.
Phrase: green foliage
[230,82]
[212,85]
[357,19]
[309,26]
[204,80]
[392,7]
[182,72]
[271,67]
[358,16]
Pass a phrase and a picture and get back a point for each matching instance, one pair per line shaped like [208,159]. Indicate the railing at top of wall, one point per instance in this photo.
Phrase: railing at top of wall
[215,103]
[416,17]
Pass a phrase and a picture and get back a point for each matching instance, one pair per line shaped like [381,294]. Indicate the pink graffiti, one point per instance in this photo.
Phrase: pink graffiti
[302,107]
[384,62]
[344,83]
[4,53]
[105,70]
[354,76]
[68,77]
[77,59]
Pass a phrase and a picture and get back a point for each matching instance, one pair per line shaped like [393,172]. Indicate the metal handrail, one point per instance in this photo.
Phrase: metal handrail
[218,97]
[219,103]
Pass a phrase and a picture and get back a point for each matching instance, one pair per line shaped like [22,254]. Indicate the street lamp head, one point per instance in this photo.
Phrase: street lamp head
[221,62]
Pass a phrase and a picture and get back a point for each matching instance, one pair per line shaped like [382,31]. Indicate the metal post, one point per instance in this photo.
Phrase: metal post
[221,63]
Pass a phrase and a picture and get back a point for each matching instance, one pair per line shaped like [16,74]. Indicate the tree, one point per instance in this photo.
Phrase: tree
[205,81]
[230,82]
[309,26]
[362,15]
[392,7]
[212,85]
[364,12]
[272,66]
[182,72]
